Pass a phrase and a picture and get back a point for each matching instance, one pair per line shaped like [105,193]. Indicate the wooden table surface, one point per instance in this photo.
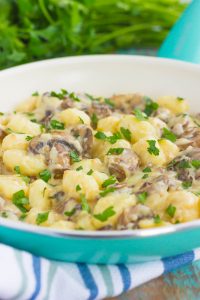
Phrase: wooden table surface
[181,284]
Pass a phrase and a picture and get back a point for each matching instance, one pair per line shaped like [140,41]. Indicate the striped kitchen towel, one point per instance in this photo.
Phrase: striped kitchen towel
[27,277]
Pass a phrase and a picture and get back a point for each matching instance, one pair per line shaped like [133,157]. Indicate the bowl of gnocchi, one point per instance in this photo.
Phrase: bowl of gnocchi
[100,158]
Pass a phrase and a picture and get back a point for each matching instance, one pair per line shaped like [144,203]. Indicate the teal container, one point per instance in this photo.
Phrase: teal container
[183,41]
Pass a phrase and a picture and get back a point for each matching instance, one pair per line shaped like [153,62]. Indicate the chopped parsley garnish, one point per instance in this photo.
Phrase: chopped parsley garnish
[157,219]
[171,210]
[35,94]
[19,199]
[42,217]
[78,188]
[146,170]
[1,113]
[150,106]
[109,102]
[180,98]
[90,172]
[28,138]
[145,176]
[140,115]
[23,216]
[109,181]
[126,133]
[55,124]
[195,163]
[184,164]
[60,95]
[169,135]
[79,168]
[25,178]
[106,214]
[4,214]
[70,212]
[74,97]
[113,138]
[84,203]
[186,184]
[94,119]
[100,135]
[109,190]
[115,151]
[17,169]
[45,175]
[92,97]
[74,156]
[152,149]
[142,197]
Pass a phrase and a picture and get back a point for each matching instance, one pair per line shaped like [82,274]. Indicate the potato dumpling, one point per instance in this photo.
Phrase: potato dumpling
[84,221]
[28,105]
[186,204]
[30,165]
[118,202]
[155,158]
[74,116]
[108,124]
[35,213]
[63,225]
[139,129]
[157,202]
[21,124]
[39,195]
[176,105]
[15,141]
[88,185]
[170,149]
[158,125]
[10,184]
[89,164]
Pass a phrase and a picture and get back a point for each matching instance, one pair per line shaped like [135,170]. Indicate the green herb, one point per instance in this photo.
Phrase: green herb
[79,168]
[81,120]
[109,190]
[180,98]
[34,120]
[109,181]
[20,200]
[113,138]
[45,175]
[24,178]
[55,124]
[70,212]
[142,197]
[109,102]
[23,217]
[74,97]
[91,97]
[42,217]
[84,203]
[186,184]
[146,170]
[171,210]
[140,115]
[100,135]
[35,94]
[90,172]
[150,106]
[169,135]
[74,156]
[145,176]
[60,95]
[152,149]
[17,169]
[195,163]
[29,138]
[106,214]
[1,113]
[126,133]
[4,214]
[157,219]
[184,164]
[78,188]
[94,119]
[115,151]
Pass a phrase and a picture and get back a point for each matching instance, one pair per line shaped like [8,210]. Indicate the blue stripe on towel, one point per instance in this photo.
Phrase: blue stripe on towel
[126,277]
[88,280]
[37,272]
[172,263]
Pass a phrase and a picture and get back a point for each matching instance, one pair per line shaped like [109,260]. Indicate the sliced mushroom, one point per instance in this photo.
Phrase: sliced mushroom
[67,103]
[122,165]
[101,110]
[131,217]
[84,135]
[127,103]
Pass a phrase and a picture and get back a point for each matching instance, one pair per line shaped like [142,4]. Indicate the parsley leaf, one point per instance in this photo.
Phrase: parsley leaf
[126,133]
[90,172]
[150,106]
[142,197]
[74,156]
[29,138]
[35,94]
[84,203]
[180,98]
[20,200]
[157,219]
[183,164]
[45,175]
[140,115]
[60,95]
[78,188]
[42,217]
[74,97]
[113,138]
[79,168]
[186,184]
[152,149]
[55,124]
[100,135]
[115,151]
[109,190]
[109,102]
[109,181]
[171,210]
[146,170]
[25,178]
[70,212]
[195,163]
[106,214]
[169,135]
[94,120]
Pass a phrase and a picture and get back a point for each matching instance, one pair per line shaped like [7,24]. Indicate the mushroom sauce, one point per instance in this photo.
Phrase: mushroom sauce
[77,161]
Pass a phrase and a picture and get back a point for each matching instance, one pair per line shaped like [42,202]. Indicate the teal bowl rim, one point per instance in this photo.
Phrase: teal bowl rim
[107,234]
